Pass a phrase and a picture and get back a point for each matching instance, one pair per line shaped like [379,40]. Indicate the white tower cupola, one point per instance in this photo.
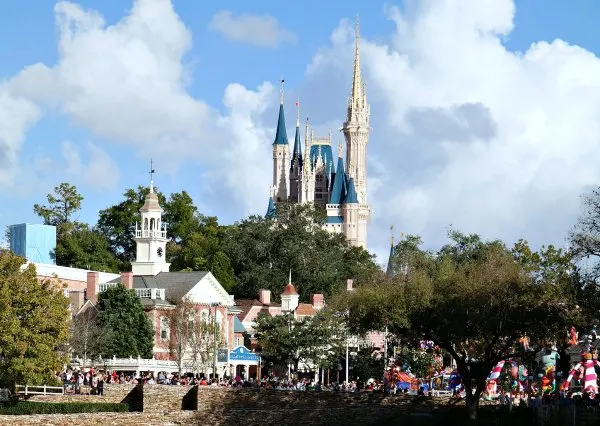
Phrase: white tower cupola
[150,237]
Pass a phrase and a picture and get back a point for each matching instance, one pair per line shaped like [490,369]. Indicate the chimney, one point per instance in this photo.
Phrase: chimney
[349,285]
[318,301]
[264,296]
[92,282]
[127,279]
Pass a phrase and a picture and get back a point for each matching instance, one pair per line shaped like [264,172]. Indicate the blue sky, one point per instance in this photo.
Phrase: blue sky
[428,108]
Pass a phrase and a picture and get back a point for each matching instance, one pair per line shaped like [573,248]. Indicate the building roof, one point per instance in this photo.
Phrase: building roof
[281,134]
[289,289]
[305,309]
[151,202]
[176,284]
[338,190]
[245,305]
[335,219]
[351,197]
[390,265]
[238,327]
[297,153]
[326,156]
[270,209]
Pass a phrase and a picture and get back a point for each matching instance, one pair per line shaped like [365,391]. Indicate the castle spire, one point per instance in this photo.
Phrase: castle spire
[281,134]
[392,235]
[356,82]
[340,152]
[297,153]
[281,91]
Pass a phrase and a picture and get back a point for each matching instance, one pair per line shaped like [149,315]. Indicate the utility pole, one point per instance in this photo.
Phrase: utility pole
[347,356]
[385,350]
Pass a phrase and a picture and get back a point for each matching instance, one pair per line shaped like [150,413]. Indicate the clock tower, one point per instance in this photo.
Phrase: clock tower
[150,238]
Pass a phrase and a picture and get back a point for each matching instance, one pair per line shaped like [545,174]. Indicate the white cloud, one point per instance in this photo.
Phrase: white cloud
[96,170]
[127,83]
[257,30]
[470,134]
[465,132]
[17,114]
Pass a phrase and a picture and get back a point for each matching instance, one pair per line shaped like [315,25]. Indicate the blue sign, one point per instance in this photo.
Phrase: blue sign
[242,354]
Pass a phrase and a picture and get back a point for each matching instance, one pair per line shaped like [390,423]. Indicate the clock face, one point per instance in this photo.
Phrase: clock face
[159,252]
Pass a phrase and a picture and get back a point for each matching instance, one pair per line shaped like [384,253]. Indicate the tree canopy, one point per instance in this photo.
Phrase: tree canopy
[473,298]
[34,320]
[263,251]
[132,332]
[284,340]
[62,205]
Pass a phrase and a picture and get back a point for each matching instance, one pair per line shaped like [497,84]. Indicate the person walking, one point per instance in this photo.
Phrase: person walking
[100,387]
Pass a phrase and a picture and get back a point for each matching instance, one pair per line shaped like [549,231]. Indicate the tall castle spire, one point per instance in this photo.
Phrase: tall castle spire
[357,86]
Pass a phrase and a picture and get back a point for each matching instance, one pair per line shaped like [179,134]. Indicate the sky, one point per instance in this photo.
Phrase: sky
[485,113]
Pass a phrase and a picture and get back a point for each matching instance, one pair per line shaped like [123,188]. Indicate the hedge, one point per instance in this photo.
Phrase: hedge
[30,407]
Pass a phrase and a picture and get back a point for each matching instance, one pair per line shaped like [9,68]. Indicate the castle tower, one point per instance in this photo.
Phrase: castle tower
[296,163]
[281,157]
[150,237]
[356,131]
[350,212]
[289,297]
[307,179]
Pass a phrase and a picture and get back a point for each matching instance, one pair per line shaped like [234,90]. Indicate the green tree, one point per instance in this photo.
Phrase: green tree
[117,223]
[120,311]
[284,340]
[62,205]
[84,247]
[474,299]
[34,320]
[87,337]
[263,251]
[368,365]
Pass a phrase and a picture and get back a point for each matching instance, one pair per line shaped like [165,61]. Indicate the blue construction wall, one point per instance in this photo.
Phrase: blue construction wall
[34,242]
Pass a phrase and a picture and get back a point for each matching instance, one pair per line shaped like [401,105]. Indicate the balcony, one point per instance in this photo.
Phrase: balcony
[147,233]
[150,293]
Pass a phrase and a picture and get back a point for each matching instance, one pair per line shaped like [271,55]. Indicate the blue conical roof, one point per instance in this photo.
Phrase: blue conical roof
[390,266]
[297,154]
[338,190]
[281,135]
[351,196]
[270,209]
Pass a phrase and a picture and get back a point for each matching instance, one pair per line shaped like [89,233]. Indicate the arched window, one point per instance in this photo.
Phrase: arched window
[151,224]
[146,223]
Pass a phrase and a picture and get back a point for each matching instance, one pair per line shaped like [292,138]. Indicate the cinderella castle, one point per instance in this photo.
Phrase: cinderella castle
[313,176]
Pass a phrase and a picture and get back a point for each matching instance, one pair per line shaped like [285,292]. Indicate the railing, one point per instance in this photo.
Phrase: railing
[132,363]
[104,286]
[45,390]
[150,293]
[147,233]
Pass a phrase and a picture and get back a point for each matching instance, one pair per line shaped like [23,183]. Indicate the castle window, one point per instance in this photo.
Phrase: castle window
[151,224]
[146,223]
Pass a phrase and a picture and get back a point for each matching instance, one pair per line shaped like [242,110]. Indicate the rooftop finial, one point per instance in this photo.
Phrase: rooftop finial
[298,113]
[281,90]
[290,278]
[151,175]
[392,236]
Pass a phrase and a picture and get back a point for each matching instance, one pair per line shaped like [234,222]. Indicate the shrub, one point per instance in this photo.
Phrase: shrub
[31,407]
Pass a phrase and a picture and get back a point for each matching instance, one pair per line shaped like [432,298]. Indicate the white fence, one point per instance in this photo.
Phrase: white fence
[39,390]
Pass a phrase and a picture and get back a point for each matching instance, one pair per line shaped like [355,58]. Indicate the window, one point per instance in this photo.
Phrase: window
[152,224]
[146,223]
[164,328]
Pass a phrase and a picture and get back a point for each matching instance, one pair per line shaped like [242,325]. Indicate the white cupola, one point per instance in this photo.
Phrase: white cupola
[150,238]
